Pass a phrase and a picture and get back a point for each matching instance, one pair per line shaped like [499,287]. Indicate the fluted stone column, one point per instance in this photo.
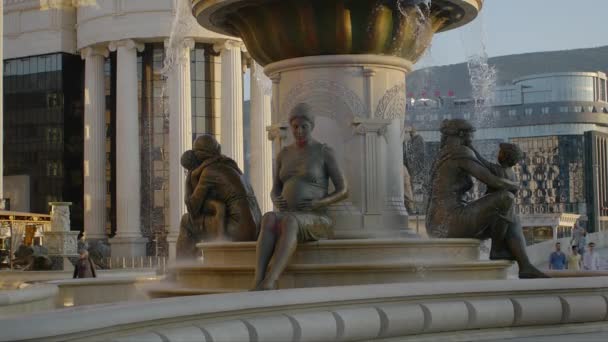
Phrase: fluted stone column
[231,123]
[180,133]
[373,132]
[128,240]
[94,143]
[261,147]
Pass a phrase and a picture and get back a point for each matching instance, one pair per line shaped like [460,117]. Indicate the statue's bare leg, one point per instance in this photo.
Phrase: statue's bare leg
[186,246]
[265,246]
[517,245]
[286,246]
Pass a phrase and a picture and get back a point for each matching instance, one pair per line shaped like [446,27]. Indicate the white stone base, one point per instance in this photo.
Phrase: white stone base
[128,247]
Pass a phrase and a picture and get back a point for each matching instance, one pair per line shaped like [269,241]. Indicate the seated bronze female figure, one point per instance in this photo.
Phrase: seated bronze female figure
[301,194]
[491,216]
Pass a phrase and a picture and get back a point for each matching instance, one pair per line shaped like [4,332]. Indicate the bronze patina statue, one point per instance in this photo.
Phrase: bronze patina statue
[301,194]
[492,216]
[221,203]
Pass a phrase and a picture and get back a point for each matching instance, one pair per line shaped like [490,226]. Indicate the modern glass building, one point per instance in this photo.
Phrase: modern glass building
[93,114]
[43,135]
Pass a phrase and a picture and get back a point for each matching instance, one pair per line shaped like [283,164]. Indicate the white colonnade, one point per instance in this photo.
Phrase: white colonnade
[231,112]
[180,133]
[261,147]
[94,143]
[128,240]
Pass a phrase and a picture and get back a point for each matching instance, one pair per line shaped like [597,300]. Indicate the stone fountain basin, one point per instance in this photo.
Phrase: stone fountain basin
[230,266]
[275,30]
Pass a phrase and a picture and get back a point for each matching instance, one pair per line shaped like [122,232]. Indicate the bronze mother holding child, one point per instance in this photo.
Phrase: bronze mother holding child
[449,215]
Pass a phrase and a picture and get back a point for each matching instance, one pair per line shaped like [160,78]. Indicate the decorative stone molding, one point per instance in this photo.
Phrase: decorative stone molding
[94,51]
[127,43]
[277,131]
[484,310]
[334,97]
[392,103]
[60,216]
[180,49]
[228,45]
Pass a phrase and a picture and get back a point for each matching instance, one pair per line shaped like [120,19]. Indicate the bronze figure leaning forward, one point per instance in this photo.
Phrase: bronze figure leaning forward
[301,194]
[492,216]
[221,203]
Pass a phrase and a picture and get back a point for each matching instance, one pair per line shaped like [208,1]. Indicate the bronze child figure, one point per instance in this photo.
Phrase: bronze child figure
[449,215]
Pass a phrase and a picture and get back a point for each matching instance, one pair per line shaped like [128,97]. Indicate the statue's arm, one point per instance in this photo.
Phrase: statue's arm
[482,173]
[488,164]
[337,178]
[199,195]
[277,185]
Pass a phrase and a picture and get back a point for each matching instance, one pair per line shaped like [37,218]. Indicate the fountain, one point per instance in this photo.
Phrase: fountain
[354,79]
[348,60]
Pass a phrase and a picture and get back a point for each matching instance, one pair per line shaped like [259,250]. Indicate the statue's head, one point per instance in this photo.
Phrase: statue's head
[206,146]
[509,154]
[302,122]
[189,161]
[459,128]
[413,132]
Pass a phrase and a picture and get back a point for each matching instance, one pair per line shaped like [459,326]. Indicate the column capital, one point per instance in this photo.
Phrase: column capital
[127,43]
[180,50]
[369,72]
[277,131]
[228,45]
[275,78]
[91,51]
[364,126]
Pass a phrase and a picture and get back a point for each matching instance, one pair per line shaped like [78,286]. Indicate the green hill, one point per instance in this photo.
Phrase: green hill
[456,76]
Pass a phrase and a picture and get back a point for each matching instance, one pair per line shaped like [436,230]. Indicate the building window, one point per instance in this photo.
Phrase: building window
[496,113]
[512,112]
[563,109]
[529,111]
[545,110]
[578,109]
[467,116]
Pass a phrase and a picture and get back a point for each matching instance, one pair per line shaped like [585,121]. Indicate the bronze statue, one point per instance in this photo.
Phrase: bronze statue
[301,194]
[220,202]
[413,169]
[492,216]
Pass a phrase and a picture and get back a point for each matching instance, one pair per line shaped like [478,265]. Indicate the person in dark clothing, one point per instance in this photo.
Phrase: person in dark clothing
[84,268]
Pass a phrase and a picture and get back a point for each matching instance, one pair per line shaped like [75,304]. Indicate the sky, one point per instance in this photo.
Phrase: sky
[507,27]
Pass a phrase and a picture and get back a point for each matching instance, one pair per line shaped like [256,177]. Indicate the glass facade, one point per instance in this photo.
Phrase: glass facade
[551,174]
[559,88]
[154,131]
[43,129]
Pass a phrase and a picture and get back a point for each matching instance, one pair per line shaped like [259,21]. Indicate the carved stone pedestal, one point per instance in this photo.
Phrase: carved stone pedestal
[60,241]
[359,106]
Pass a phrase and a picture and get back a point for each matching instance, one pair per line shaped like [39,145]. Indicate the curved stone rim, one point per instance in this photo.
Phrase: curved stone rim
[339,61]
[204,10]
[353,242]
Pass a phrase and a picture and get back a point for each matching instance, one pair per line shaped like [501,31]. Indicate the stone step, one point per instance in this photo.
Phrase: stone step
[170,290]
[350,251]
[240,277]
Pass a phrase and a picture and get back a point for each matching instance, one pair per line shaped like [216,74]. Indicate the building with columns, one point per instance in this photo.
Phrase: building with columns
[102,98]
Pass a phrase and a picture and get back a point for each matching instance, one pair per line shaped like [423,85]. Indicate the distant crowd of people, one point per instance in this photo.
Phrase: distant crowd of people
[582,256]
